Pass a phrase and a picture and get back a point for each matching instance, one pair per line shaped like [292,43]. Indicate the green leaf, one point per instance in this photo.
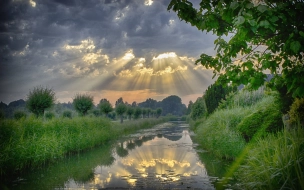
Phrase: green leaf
[249,5]
[264,23]
[234,5]
[273,18]
[262,8]
[301,33]
[239,20]
[252,22]
[295,46]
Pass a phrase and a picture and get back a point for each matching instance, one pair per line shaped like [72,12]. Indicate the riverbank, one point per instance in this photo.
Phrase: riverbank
[32,142]
[247,129]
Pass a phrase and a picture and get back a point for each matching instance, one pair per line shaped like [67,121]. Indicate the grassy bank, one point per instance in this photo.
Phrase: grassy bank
[247,128]
[31,142]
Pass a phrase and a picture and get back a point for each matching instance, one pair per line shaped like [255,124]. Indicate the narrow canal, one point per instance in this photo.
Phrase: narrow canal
[163,157]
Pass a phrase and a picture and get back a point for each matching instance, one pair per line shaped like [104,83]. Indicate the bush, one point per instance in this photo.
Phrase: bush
[198,109]
[275,162]
[265,118]
[2,114]
[296,112]
[49,115]
[83,103]
[67,114]
[19,114]
[39,99]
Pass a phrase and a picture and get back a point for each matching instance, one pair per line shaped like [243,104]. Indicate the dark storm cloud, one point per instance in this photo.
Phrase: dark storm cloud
[34,36]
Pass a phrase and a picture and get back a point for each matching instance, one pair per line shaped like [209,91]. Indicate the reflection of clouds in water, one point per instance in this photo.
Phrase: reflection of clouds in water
[156,162]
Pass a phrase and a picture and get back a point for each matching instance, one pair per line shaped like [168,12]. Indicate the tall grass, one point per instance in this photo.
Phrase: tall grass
[275,162]
[30,142]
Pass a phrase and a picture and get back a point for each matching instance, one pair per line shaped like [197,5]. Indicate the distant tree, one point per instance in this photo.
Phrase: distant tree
[172,104]
[158,112]
[149,110]
[96,112]
[119,101]
[149,103]
[137,112]
[120,109]
[49,115]
[67,114]
[199,109]
[214,94]
[83,103]
[134,104]
[105,106]
[2,114]
[144,112]
[189,107]
[19,114]
[39,99]
[112,115]
[130,111]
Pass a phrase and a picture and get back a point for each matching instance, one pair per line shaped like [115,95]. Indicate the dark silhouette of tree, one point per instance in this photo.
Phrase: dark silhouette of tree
[39,99]
[83,103]
[120,108]
[105,106]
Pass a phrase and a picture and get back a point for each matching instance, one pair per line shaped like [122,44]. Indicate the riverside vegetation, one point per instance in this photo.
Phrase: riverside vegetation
[247,128]
[32,142]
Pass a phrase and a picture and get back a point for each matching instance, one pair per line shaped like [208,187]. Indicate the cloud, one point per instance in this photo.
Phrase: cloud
[97,45]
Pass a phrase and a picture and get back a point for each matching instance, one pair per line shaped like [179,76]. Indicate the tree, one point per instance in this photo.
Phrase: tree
[158,112]
[83,103]
[173,104]
[130,111]
[265,35]
[137,112]
[214,94]
[189,108]
[39,99]
[105,106]
[199,109]
[144,112]
[149,110]
[120,109]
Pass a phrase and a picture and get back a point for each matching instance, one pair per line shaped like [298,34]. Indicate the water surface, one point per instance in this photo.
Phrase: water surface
[163,157]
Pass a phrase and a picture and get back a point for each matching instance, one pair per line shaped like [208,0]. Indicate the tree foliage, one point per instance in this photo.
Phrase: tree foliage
[39,99]
[158,112]
[83,103]
[105,106]
[137,112]
[120,108]
[198,109]
[265,35]
[214,94]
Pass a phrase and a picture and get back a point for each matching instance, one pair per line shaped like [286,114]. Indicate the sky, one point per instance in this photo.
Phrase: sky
[134,49]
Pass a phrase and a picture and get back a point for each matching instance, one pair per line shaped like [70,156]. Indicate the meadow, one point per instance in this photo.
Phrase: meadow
[32,142]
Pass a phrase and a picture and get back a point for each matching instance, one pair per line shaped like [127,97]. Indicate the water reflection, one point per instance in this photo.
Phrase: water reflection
[158,158]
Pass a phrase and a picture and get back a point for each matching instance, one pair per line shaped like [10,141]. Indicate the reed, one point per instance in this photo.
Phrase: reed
[274,162]
[31,142]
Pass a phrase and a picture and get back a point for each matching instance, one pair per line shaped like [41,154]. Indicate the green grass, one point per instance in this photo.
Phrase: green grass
[31,142]
[274,162]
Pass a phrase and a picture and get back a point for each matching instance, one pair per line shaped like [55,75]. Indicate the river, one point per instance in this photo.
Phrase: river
[163,157]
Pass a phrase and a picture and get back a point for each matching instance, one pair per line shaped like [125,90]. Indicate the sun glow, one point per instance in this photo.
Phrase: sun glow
[165,55]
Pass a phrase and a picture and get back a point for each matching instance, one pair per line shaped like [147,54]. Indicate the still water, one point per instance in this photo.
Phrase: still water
[163,157]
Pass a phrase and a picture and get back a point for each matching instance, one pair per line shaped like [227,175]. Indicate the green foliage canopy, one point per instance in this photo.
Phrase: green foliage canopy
[265,35]
[83,103]
[198,109]
[105,106]
[39,99]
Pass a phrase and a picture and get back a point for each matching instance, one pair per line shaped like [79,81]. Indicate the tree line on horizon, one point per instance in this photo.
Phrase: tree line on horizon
[41,102]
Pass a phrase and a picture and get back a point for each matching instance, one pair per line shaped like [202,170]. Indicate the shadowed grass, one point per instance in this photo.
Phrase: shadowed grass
[275,162]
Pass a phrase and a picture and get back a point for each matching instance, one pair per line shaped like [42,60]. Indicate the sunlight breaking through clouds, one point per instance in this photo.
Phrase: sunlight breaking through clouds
[165,55]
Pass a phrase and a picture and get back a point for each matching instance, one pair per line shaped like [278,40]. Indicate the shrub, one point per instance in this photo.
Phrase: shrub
[39,99]
[83,103]
[275,162]
[19,114]
[265,118]
[296,112]
[198,109]
[67,114]
[2,114]
[96,113]
[49,115]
